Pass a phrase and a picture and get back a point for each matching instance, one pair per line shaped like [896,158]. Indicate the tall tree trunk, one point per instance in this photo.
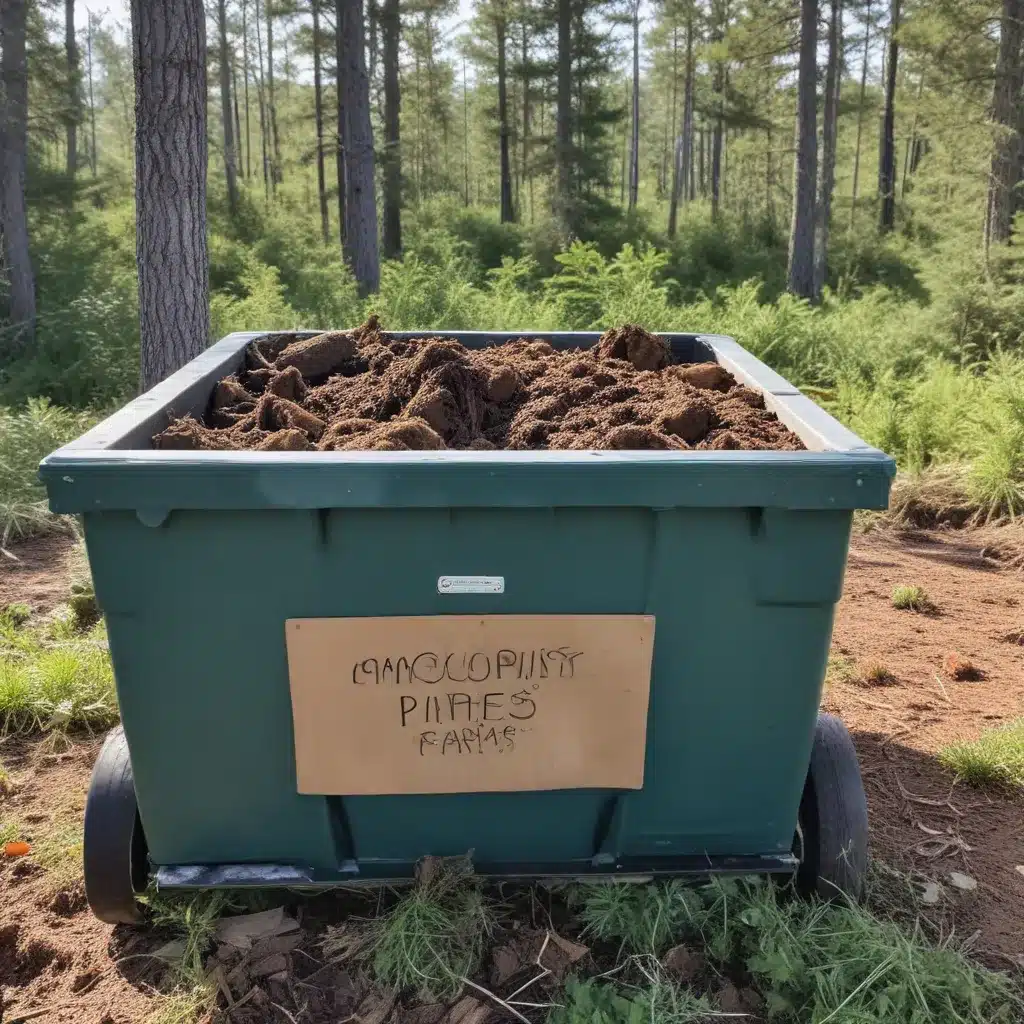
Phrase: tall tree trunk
[563,118]
[360,247]
[261,95]
[506,175]
[683,150]
[238,119]
[21,304]
[670,124]
[318,115]
[169,51]
[703,163]
[805,163]
[860,111]
[245,86]
[526,176]
[829,129]
[275,163]
[909,161]
[687,154]
[634,139]
[339,157]
[465,130]
[887,161]
[92,101]
[390,28]
[718,34]
[1008,150]
[74,111]
[225,109]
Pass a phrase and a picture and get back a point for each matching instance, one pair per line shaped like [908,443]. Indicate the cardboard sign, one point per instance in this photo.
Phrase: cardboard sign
[469,703]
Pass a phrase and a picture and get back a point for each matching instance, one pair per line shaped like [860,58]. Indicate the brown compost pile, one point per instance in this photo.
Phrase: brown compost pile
[360,389]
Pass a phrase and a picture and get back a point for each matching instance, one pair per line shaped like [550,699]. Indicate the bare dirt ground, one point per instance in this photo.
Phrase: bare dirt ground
[921,821]
[38,574]
[55,957]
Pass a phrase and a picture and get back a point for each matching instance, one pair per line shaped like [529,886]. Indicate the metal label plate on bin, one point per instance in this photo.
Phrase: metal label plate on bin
[471,584]
[469,703]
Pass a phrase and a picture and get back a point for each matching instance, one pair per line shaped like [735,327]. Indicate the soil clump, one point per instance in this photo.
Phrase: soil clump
[363,390]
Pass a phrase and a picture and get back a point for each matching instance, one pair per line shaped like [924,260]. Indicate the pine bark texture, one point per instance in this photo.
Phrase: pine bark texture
[829,131]
[17,264]
[805,164]
[887,156]
[391,193]
[230,166]
[1005,180]
[360,248]
[169,56]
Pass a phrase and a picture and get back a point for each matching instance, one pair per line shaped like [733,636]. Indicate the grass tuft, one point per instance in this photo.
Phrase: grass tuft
[841,670]
[996,758]
[911,598]
[55,679]
[878,675]
[641,918]
[15,615]
[433,938]
[58,852]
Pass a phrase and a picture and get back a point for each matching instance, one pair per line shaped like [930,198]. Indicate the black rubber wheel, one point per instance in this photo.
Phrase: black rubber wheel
[832,842]
[115,854]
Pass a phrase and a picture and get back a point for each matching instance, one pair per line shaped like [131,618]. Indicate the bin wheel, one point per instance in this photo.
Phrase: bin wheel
[114,846]
[833,840]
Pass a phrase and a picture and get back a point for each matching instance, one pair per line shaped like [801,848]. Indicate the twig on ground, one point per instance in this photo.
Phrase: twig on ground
[490,995]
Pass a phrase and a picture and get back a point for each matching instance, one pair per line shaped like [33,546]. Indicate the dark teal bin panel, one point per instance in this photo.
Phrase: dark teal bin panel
[196,609]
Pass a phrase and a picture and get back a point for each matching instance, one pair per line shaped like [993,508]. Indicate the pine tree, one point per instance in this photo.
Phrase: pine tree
[318,119]
[21,300]
[887,157]
[391,158]
[360,246]
[805,163]
[1007,174]
[829,134]
[169,51]
[225,108]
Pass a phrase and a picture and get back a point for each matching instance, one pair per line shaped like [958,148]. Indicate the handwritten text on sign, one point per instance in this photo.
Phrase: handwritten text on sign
[444,704]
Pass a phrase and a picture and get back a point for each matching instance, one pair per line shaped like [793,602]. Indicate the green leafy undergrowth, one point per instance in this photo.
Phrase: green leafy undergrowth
[816,963]
[600,1002]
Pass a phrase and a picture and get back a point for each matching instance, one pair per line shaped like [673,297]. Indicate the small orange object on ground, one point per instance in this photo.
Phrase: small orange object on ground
[16,849]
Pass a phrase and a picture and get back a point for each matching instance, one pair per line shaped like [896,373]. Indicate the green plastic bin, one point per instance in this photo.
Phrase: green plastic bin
[199,558]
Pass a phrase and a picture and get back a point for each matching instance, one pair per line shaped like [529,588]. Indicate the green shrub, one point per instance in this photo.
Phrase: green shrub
[26,436]
[911,598]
